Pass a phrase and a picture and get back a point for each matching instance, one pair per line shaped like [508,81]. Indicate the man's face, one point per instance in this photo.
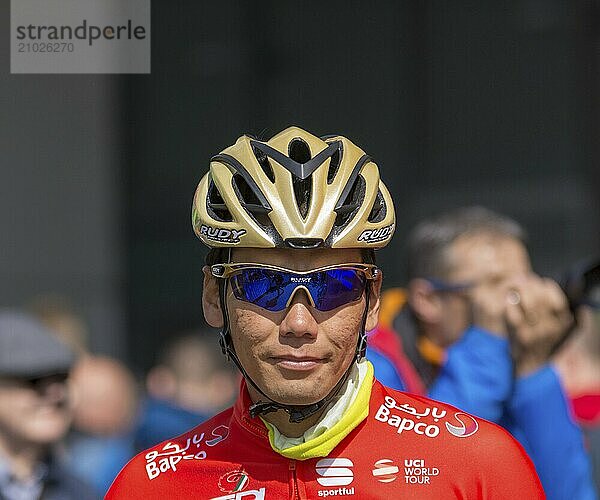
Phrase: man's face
[488,261]
[297,355]
[33,413]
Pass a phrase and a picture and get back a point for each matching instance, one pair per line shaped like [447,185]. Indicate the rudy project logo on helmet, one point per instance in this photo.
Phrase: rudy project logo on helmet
[222,234]
[376,235]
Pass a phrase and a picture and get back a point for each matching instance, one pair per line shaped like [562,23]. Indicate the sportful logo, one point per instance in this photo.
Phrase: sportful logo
[385,471]
[334,471]
[468,427]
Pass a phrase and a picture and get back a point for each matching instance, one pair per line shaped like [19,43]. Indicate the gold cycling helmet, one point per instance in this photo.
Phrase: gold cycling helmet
[294,191]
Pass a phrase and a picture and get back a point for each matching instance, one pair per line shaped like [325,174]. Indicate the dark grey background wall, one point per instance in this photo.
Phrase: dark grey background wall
[459,102]
[60,194]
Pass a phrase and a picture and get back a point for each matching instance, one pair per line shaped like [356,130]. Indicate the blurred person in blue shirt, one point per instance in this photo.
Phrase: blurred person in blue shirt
[476,328]
[578,360]
[101,440]
[190,382]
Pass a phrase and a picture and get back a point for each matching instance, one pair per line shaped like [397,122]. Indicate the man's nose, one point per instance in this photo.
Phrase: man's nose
[299,320]
[53,391]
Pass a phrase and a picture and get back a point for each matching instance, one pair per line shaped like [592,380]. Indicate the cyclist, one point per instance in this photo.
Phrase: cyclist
[291,281]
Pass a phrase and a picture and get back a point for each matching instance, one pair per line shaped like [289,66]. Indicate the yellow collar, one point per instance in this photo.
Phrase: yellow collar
[336,423]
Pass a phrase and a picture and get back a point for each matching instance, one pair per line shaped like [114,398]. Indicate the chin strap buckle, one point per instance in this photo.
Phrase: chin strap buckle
[263,407]
[296,413]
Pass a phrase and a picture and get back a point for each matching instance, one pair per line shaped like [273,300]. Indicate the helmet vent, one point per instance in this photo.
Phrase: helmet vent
[304,242]
[302,193]
[246,195]
[263,161]
[334,164]
[299,151]
[250,201]
[215,205]
[346,210]
[379,210]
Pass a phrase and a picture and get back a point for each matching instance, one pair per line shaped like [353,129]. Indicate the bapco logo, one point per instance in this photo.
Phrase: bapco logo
[468,425]
[385,471]
[334,471]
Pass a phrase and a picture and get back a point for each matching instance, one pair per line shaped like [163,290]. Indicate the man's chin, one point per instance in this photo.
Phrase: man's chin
[299,396]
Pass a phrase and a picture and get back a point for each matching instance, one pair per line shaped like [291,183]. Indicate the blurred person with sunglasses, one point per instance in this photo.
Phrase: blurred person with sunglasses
[476,328]
[35,413]
[291,281]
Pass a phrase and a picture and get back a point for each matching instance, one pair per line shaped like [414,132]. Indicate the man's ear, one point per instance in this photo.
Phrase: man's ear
[424,303]
[374,302]
[211,304]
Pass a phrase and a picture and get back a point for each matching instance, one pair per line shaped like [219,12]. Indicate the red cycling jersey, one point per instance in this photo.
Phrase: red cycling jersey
[408,447]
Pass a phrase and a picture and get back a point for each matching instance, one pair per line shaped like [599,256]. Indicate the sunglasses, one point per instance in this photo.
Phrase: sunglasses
[36,383]
[272,287]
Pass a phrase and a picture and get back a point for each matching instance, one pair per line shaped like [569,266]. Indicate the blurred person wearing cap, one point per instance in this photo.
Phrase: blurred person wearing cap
[291,282]
[578,359]
[190,383]
[35,412]
[476,328]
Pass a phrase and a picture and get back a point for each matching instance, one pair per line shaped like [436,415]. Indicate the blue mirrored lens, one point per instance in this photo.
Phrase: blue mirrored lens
[262,287]
[340,286]
[271,289]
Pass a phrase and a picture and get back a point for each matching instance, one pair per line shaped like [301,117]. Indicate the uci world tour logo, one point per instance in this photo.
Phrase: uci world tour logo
[468,425]
[385,471]
[234,481]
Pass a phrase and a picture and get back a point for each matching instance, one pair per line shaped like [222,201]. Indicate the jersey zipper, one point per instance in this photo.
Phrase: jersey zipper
[294,481]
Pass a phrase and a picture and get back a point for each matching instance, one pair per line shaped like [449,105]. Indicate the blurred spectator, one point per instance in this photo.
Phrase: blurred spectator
[34,413]
[190,383]
[475,328]
[58,314]
[102,440]
[578,360]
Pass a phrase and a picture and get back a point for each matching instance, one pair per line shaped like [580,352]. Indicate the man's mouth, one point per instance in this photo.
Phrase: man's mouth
[297,363]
